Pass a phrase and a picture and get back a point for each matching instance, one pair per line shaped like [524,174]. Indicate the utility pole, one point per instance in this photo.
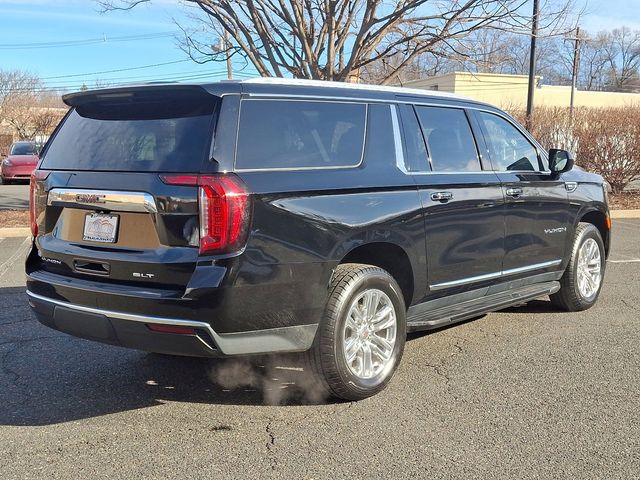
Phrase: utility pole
[532,62]
[227,47]
[574,73]
[224,46]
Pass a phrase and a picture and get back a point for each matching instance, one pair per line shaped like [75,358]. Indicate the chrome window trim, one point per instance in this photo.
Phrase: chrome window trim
[301,169]
[397,141]
[489,276]
[113,200]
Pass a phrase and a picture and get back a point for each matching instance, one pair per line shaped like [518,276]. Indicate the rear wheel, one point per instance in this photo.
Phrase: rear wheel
[582,280]
[361,337]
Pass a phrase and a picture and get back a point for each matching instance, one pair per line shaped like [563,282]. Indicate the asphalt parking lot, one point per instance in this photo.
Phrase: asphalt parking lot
[523,393]
[14,197]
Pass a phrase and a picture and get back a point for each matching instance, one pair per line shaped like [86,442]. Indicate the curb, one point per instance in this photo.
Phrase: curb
[15,232]
[624,213]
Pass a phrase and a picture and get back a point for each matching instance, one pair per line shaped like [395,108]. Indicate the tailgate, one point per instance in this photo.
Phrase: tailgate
[138,231]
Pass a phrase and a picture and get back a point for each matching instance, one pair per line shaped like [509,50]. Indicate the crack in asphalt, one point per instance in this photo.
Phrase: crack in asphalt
[19,343]
[440,369]
[271,436]
[16,323]
[271,442]
[27,340]
[631,306]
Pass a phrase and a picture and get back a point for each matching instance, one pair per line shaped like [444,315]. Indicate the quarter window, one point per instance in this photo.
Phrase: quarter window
[449,139]
[509,149]
[300,134]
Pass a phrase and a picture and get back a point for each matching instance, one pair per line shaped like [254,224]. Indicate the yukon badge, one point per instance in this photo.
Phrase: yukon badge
[555,230]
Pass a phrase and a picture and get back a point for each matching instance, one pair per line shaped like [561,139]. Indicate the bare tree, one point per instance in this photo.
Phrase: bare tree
[26,106]
[622,48]
[14,84]
[336,39]
[593,62]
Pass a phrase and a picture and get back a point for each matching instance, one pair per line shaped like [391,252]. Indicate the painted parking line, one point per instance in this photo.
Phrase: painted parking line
[20,252]
[633,260]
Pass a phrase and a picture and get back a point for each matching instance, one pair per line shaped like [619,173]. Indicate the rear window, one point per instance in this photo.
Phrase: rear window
[159,135]
[300,134]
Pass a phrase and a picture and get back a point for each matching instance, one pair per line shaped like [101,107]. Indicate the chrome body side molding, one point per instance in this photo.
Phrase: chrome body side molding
[489,276]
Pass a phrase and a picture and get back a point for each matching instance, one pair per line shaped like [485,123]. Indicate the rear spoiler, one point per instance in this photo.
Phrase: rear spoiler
[147,91]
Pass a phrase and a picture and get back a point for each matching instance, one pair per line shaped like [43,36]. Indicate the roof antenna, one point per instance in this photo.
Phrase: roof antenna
[399,80]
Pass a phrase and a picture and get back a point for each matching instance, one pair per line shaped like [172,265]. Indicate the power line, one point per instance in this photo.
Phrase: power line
[87,41]
[192,75]
[117,70]
[177,77]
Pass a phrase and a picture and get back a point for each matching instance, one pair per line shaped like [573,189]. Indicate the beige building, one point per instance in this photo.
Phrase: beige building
[510,91]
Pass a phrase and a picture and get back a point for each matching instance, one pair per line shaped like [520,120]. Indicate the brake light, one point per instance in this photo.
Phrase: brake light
[224,209]
[36,175]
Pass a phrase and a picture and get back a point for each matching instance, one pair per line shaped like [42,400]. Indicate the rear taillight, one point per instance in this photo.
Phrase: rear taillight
[225,210]
[36,175]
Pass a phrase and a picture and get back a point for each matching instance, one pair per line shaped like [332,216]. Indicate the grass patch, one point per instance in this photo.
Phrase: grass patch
[14,218]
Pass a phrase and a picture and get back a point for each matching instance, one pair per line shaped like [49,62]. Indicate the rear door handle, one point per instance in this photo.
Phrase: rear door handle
[441,196]
[514,192]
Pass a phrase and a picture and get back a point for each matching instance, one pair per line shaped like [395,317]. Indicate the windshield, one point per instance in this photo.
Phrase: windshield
[161,136]
[23,149]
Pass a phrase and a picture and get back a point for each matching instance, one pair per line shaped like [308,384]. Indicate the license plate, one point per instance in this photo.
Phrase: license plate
[100,227]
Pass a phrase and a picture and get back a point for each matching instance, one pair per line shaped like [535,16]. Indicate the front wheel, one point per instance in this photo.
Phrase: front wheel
[582,280]
[361,337]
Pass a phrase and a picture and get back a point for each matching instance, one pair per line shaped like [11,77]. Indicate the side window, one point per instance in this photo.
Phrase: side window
[449,139]
[415,151]
[379,150]
[300,134]
[509,149]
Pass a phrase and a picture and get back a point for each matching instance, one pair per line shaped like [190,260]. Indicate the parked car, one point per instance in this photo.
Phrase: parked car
[255,217]
[20,163]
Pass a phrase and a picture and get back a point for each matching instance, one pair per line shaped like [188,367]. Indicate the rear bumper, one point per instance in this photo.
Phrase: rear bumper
[132,331]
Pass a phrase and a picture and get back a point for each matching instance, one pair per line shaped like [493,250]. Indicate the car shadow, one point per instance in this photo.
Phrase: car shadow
[49,377]
[532,306]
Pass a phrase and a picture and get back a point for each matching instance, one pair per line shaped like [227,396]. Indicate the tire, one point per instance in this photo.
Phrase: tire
[345,322]
[573,297]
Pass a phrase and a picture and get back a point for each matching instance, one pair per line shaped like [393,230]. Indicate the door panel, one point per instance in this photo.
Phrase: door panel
[462,205]
[536,202]
[536,219]
[465,234]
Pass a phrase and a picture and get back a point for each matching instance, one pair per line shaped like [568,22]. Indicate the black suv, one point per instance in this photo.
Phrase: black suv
[265,216]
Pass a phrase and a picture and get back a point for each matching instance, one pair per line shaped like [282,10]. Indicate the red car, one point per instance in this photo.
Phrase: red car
[22,160]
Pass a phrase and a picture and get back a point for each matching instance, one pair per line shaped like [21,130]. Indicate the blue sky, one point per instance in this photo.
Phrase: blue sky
[32,21]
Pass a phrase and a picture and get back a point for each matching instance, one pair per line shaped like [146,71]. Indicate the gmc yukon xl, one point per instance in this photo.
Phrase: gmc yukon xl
[263,216]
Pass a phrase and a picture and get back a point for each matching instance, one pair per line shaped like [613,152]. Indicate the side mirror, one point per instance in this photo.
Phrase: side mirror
[560,161]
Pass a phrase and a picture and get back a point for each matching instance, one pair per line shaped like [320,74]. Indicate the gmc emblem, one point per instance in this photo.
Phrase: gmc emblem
[88,198]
